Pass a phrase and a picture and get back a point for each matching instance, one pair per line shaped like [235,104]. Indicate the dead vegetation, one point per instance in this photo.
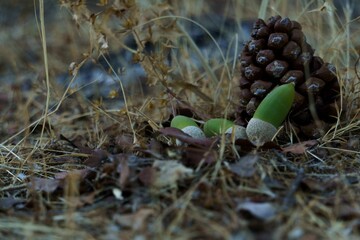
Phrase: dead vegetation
[78,167]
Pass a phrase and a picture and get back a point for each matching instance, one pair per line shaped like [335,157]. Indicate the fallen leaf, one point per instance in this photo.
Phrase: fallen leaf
[88,198]
[193,156]
[96,158]
[185,138]
[244,144]
[169,172]
[164,173]
[8,202]
[135,221]
[123,169]
[82,172]
[263,211]
[300,148]
[124,142]
[245,167]
[147,176]
[47,185]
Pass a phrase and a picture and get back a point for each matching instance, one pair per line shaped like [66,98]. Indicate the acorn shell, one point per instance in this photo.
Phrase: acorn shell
[276,105]
[181,122]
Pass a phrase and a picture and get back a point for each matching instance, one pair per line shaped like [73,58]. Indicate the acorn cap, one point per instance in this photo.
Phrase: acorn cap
[217,126]
[259,131]
[194,132]
[239,132]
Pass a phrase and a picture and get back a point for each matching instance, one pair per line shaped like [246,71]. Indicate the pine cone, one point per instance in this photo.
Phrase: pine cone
[277,54]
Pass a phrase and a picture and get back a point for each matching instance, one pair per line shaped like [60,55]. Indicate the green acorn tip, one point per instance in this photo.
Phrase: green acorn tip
[181,122]
[276,105]
[217,126]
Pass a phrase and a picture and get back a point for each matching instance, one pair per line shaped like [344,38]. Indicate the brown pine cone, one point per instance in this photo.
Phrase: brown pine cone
[277,54]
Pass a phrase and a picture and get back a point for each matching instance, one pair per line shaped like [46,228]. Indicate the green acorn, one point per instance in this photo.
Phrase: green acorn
[218,126]
[188,126]
[270,114]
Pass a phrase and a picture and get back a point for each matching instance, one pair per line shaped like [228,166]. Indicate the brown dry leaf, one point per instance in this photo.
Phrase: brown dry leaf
[124,142]
[183,137]
[96,158]
[300,148]
[263,211]
[8,202]
[193,156]
[245,167]
[147,176]
[88,198]
[82,172]
[164,173]
[80,201]
[244,144]
[44,184]
[124,170]
[136,221]
[169,172]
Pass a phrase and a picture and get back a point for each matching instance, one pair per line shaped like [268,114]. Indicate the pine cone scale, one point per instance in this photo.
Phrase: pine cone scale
[278,53]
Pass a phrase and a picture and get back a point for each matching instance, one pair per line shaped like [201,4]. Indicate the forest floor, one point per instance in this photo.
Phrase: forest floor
[87,92]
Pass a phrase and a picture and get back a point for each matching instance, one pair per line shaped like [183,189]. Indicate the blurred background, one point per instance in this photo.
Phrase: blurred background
[228,22]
